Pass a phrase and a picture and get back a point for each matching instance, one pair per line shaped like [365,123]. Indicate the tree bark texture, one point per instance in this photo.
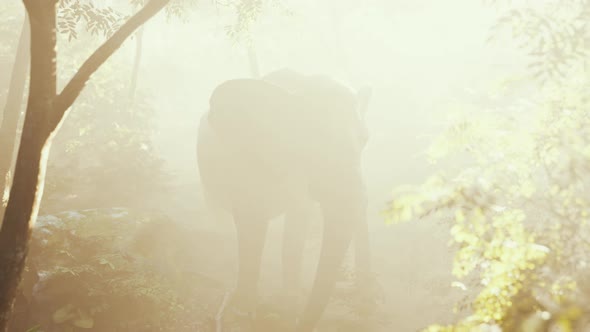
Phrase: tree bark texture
[25,194]
[44,115]
[12,109]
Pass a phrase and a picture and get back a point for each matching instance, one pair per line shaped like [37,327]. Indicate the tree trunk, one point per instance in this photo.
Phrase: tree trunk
[25,194]
[253,61]
[12,110]
[44,115]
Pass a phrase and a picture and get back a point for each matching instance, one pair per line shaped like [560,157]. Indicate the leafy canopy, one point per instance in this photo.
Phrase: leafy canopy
[518,212]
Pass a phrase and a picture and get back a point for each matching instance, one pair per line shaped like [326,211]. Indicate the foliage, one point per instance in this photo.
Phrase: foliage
[553,33]
[110,153]
[111,270]
[97,20]
[104,20]
[519,211]
[247,13]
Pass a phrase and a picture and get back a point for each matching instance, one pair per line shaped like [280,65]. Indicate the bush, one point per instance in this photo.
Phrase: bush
[114,270]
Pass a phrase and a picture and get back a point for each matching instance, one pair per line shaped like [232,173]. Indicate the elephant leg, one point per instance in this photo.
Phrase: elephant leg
[367,290]
[251,240]
[295,230]
[241,305]
[362,250]
[337,234]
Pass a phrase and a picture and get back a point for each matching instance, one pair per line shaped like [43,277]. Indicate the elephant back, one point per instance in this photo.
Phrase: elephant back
[259,121]
[330,108]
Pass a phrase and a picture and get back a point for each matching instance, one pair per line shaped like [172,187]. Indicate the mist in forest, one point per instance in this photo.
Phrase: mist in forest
[443,134]
[418,58]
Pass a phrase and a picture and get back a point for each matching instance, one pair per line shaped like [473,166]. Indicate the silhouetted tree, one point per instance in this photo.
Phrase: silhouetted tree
[98,20]
[12,108]
[45,112]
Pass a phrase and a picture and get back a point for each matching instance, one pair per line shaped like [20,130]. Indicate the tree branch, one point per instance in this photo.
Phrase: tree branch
[71,91]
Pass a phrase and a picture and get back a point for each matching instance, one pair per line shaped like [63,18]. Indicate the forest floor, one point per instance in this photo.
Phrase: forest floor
[412,263]
[416,291]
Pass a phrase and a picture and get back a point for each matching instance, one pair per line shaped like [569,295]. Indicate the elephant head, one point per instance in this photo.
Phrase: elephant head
[274,140]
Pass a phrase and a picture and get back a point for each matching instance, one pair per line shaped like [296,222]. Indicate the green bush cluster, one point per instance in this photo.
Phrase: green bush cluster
[518,212]
[112,270]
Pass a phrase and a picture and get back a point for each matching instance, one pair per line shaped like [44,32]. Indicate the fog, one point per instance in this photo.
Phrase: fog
[419,57]
[423,59]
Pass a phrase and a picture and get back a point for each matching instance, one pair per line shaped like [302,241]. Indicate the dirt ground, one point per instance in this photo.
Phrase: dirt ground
[412,263]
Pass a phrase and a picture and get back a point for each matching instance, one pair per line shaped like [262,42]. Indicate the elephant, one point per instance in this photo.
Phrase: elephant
[276,146]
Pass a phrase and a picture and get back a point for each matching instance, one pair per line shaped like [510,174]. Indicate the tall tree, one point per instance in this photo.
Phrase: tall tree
[97,21]
[253,61]
[45,113]
[12,108]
